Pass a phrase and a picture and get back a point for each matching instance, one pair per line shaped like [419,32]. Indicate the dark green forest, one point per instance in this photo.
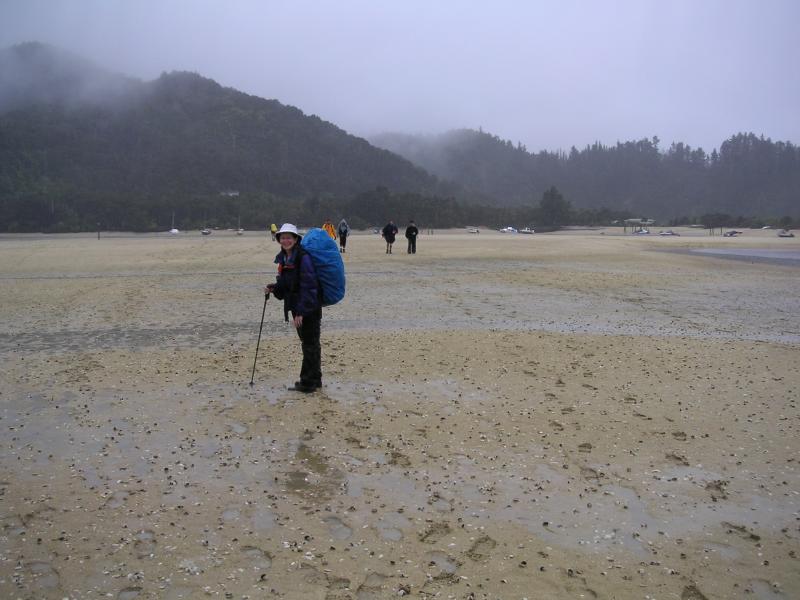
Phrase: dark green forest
[82,148]
[748,176]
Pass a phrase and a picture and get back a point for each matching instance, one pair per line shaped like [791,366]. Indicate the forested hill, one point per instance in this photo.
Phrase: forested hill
[747,175]
[81,147]
[80,140]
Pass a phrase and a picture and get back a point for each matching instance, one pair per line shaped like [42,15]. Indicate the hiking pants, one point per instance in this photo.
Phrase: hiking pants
[342,240]
[412,245]
[309,331]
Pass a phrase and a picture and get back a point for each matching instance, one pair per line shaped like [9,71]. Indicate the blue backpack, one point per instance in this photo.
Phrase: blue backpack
[328,264]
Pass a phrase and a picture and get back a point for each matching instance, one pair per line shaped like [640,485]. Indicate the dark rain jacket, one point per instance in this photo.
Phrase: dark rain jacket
[297,283]
[389,231]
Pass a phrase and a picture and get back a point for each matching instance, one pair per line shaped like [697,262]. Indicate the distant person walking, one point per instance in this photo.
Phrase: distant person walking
[344,230]
[273,229]
[411,235]
[328,227]
[388,233]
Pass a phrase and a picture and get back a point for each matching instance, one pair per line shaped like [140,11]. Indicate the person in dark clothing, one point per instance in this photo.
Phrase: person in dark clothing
[297,286]
[389,232]
[344,231]
[411,235]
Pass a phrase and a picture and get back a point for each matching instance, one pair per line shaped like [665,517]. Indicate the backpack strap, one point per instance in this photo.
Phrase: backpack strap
[298,261]
[294,289]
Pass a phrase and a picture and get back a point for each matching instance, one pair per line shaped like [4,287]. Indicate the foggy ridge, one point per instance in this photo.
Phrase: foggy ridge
[79,143]
[35,73]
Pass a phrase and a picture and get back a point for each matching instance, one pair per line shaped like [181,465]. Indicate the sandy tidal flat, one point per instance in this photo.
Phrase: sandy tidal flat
[572,415]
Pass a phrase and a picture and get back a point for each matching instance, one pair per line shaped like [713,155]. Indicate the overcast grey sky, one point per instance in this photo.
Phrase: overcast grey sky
[551,74]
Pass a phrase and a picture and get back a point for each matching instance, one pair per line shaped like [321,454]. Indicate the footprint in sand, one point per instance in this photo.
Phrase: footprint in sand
[338,529]
[678,459]
[43,573]
[145,544]
[590,474]
[679,435]
[399,459]
[691,592]
[355,442]
[312,575]
[481,548]
[180,592]
[373,588]
[338,589]
[258,558]
[230,514]
[13,525]
[390,527]
[434,533]
[440,565]
[236,427]
[717,489]
[741,531]
[117,499]
[762,588]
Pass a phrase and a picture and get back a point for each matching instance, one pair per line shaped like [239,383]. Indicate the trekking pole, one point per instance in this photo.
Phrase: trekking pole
[263,311]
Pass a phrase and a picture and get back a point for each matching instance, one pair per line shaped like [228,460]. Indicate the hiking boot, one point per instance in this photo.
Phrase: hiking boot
[315,384]
[311,383]
[303,387]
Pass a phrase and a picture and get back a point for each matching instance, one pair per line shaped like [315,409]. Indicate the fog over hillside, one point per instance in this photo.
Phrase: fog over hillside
[33,72]
[550,75]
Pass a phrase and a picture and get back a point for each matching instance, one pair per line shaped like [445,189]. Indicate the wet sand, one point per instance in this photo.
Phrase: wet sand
[572,415]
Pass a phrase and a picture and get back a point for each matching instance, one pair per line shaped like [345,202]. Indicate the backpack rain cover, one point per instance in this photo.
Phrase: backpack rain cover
[327,262]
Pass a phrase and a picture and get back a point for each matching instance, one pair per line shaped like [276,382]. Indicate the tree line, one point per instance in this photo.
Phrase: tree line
[749,175]
[56,211]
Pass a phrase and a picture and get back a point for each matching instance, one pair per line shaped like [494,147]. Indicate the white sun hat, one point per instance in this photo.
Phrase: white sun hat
[287,228]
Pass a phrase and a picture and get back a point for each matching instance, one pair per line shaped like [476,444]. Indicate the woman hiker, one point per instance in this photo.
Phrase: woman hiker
[297,286]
